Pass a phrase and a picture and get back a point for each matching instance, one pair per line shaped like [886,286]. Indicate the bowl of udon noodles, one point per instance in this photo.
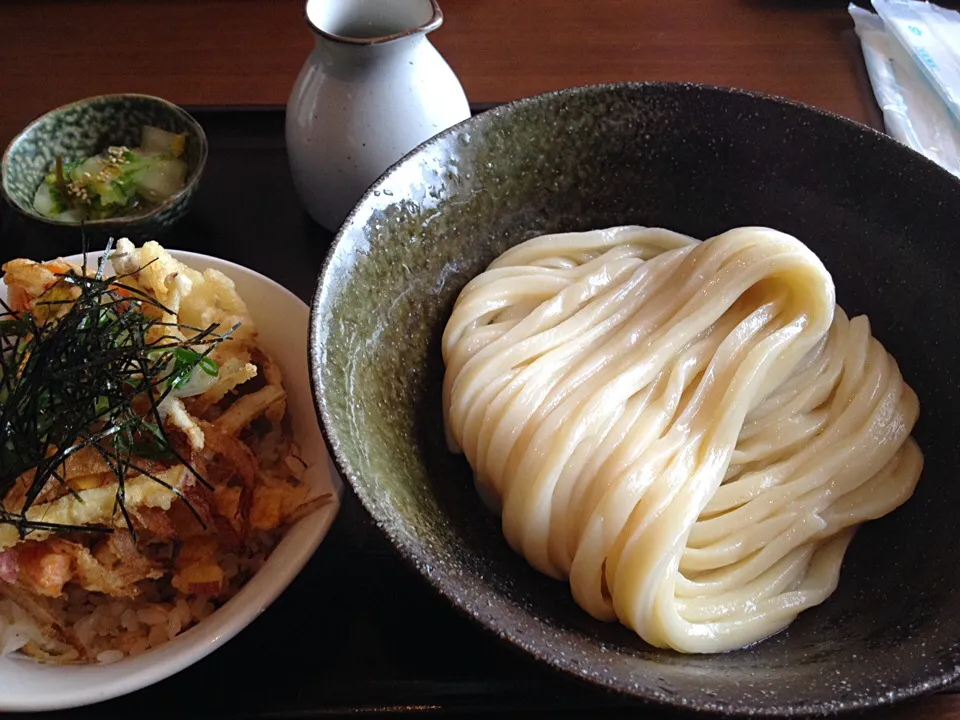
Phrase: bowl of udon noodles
[657,382]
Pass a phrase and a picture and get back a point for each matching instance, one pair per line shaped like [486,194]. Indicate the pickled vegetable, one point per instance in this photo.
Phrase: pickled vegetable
[118,182]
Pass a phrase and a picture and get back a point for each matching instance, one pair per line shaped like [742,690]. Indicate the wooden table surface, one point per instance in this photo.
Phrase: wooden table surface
[248,52]
[205,52]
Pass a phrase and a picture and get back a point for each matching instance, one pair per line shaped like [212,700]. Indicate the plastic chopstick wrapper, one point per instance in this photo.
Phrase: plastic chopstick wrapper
[914,111]
[926,31]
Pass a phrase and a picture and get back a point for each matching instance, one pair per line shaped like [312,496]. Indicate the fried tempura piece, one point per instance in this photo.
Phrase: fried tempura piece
[98,505]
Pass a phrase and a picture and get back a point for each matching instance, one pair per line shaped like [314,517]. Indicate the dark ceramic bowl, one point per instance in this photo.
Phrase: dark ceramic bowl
[87,127]
[698,160]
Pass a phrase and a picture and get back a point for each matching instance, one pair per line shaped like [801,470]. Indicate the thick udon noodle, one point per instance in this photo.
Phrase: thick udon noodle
[689,432]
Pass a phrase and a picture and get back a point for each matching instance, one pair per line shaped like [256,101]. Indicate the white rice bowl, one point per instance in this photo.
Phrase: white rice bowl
[282,326]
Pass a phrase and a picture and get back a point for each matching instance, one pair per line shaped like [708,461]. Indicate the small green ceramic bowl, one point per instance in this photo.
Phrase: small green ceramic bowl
[85,128]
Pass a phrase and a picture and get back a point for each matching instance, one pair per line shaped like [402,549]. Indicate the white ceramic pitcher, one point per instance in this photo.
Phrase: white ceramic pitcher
[372,90]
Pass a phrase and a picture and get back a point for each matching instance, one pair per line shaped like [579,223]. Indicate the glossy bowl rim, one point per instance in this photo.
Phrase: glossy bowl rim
[205,637]
[447,587]
[108,223]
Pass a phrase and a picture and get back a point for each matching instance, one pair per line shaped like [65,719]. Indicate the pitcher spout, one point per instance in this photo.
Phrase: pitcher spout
[372,22]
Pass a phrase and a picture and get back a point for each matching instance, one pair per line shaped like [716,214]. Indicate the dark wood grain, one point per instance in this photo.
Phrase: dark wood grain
[248,52]
[223,52]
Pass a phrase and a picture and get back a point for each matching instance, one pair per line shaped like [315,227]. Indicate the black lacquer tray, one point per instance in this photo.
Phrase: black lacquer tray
[358,632]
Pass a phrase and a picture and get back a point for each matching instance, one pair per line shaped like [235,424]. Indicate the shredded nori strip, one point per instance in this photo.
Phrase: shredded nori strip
[90,378]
